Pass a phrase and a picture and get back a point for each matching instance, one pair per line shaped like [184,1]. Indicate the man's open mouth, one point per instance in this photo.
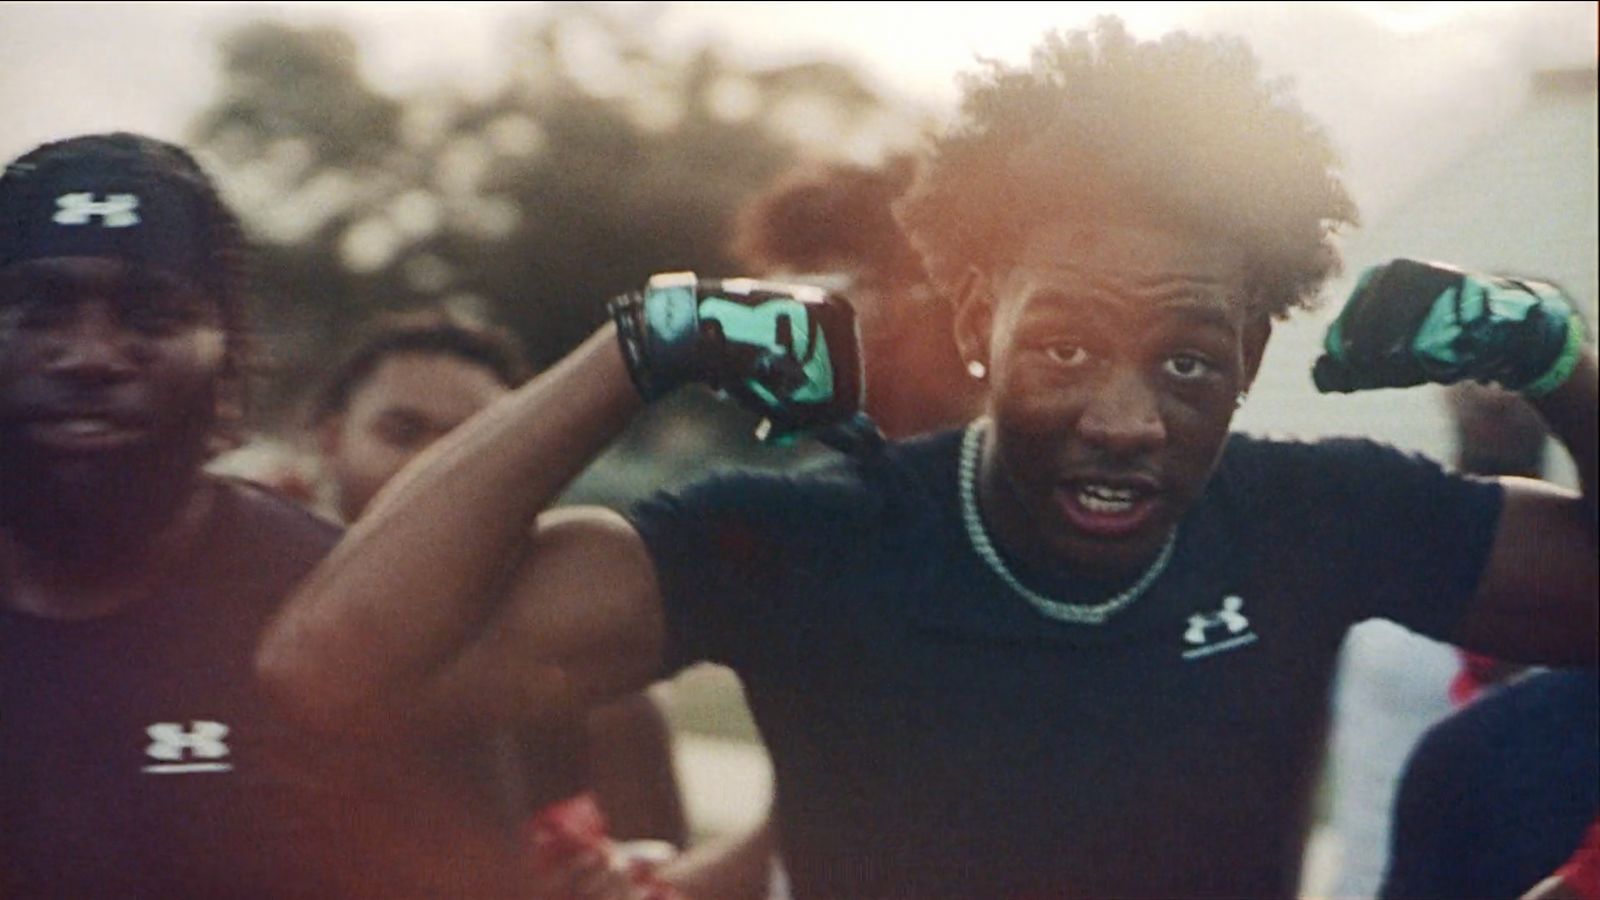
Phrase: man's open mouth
[1107,508]
[84,433]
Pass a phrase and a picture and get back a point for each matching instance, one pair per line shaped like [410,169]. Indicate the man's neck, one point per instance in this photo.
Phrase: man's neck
[88,567]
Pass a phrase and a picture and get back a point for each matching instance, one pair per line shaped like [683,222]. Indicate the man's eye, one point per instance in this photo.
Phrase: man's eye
[1065,354]
[35,306]
[160,318]
[37,315]
[405,434]
[1188,366]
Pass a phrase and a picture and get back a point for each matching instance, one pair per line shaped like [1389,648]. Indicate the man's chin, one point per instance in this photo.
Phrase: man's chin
[45,490]
[51,465]
[1111,557]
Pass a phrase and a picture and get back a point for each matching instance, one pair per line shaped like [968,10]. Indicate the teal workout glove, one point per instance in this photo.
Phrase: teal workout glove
[789,352]
[1410,322]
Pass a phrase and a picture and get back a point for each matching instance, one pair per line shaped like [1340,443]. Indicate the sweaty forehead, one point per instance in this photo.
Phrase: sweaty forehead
[1128,264]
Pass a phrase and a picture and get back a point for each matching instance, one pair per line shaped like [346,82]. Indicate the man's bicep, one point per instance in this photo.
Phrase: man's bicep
[586,598]
[579,621]
[1536,600]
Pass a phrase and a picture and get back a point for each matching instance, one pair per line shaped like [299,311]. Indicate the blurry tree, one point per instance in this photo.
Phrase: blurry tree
[603,156]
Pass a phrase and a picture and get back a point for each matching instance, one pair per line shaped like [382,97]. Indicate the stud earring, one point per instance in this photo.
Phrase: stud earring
[1239,400]
[977,369]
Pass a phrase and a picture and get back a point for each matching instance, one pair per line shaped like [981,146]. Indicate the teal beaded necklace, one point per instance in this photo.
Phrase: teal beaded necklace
[1071,613]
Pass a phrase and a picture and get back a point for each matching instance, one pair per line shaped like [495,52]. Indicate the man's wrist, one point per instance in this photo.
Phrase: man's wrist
[658,331]
[1565,364]
[624,313]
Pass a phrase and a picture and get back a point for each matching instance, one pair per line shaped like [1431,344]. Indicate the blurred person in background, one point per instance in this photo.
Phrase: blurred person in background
[836,223]
[408,382]
[1394,684]
[1502,794]
[139,757]
[1081,647]
[833,225]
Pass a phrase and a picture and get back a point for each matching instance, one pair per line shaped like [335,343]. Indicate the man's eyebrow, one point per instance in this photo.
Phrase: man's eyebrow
[1052,303]
[1199,303]
[1166,291]
[42,278]
[1161,287]
[1206,309]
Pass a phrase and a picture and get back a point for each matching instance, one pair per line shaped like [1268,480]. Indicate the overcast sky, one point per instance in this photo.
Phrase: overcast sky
[1402,86]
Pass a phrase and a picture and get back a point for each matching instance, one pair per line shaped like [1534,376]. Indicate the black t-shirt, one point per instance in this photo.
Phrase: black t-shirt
[933,735]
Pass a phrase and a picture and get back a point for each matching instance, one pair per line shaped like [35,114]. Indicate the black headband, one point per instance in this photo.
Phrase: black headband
[96,207]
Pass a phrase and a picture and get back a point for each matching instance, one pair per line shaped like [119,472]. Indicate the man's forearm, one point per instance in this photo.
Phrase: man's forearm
[1570,411]
[404,591]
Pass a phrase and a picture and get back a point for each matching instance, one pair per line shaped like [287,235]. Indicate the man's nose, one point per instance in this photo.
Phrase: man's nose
[1124,415]
[94,347]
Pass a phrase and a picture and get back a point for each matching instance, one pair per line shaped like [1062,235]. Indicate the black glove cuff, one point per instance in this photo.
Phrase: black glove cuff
[659,332]
[1535,346]
[627,311]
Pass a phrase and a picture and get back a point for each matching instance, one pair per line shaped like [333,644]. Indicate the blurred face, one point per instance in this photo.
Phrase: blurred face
[409,401]
[916,382]
[101,360]
[1115,354]
[109,375]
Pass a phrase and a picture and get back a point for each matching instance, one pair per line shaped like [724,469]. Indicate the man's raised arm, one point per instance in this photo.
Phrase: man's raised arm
[1536,601]
[1410,322]
[457,591]
[421,578]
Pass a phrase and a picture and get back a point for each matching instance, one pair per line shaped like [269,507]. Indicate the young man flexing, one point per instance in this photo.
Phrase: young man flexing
[1081,647]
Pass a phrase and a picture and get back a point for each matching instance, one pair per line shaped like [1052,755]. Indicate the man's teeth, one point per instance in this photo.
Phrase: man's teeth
[1100,498]
[85,427]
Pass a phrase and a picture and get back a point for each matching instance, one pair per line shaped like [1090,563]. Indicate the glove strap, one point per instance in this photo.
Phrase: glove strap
[624,311]
[1565,363]
[658,330]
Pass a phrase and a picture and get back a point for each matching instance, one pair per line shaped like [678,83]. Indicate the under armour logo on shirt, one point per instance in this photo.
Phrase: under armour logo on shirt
[115,211]
[194,749]
[1230,619]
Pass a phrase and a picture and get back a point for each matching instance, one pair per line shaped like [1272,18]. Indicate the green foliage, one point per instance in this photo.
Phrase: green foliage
[602,157]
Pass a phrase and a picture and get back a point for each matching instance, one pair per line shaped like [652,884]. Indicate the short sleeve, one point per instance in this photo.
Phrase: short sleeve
[691,536]
[1415,538]
[736,553]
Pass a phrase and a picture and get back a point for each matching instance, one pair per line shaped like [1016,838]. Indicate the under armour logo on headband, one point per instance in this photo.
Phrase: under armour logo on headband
[116,211]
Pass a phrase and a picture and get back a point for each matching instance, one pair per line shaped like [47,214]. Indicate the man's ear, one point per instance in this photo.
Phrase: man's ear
[974,324]
[1256,333]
